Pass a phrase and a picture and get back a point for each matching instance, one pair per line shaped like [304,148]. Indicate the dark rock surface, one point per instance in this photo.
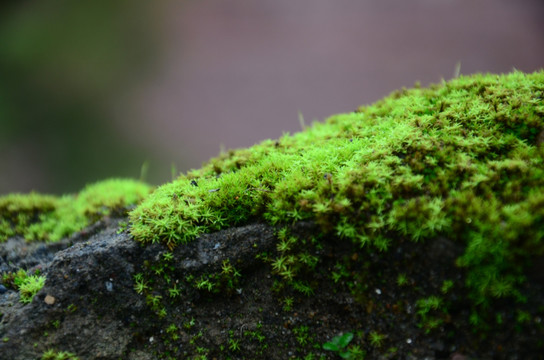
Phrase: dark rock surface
[92,286]
[76,279]
[89,305]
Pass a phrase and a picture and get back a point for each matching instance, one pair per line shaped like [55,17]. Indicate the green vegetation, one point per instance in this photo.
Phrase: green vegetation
[58,355]
[302,335]
[376,339]
[446,286]
[402,280]
[339,343]
[45,217]
[461,159]
[431,310]
[30,287]
[27,285]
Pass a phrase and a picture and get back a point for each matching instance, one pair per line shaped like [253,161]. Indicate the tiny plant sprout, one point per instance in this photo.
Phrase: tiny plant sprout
[376,339]
[402,280]
[339,343]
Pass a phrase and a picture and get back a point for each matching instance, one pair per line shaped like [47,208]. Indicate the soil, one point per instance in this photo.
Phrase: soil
[98,314]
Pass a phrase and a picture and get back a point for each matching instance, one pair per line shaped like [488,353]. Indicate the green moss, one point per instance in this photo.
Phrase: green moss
[30,287]
[45,217]
[461,159]
[58,355]
[27,284]
[18,211]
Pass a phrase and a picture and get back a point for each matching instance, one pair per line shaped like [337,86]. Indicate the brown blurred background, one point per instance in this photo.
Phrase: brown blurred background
[96,89]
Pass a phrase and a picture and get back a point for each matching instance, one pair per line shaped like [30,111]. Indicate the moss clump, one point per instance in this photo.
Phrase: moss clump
[462,159]
[45,217]
[58,355]
[27,284]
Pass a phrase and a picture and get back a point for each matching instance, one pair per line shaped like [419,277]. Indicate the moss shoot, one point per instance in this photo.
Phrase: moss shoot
[461,159]
[27,284]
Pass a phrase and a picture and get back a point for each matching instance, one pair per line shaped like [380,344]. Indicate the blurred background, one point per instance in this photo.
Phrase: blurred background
[97,89]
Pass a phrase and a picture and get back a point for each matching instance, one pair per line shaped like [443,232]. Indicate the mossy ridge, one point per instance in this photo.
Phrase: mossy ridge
[45,217]
[461,159]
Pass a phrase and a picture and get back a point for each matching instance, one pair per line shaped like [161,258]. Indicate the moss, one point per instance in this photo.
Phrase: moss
[18,211]
[52,354]
[30,287]
[27,284]
[46,217]
[461,159]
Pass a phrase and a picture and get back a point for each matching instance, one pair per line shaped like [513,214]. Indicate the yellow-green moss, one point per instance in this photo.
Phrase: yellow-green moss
[52,354]
[26,283]
[45,217]
[461,159]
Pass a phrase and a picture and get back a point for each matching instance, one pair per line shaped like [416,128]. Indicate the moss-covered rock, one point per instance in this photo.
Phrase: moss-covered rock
[361,236]
[462,159]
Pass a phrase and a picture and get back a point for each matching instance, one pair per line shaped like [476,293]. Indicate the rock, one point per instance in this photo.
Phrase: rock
[76,277]
[78,312]
[89,306]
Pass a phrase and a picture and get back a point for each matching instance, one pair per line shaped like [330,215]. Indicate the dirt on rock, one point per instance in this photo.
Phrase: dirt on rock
[92,307]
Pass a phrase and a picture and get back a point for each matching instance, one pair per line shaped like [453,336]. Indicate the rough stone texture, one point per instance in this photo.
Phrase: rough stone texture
[17,253]
[78,276]
[97,314]
[93,287]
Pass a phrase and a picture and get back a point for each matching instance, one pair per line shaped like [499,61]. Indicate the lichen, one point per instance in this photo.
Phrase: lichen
[462,159]
[45,217]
